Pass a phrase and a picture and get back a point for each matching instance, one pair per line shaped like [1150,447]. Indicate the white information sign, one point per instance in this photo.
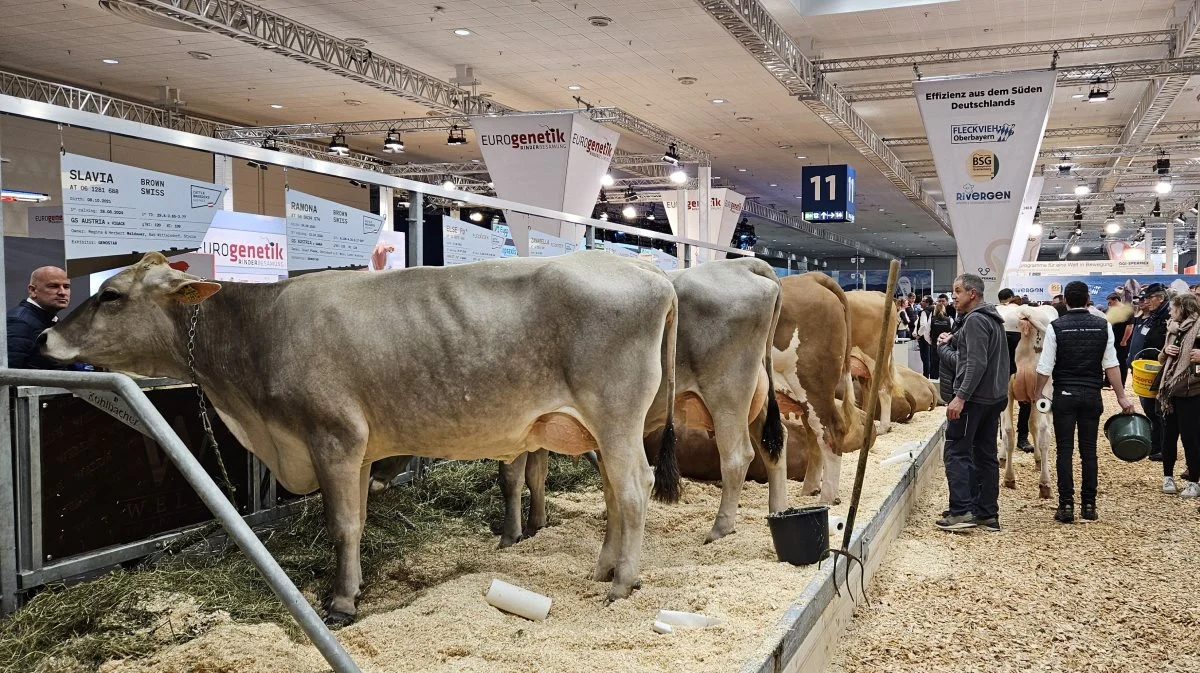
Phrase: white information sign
[324,234]
[112,209]
[623,249]
[544,245]
[661,259]
[1070,268]
[463,243]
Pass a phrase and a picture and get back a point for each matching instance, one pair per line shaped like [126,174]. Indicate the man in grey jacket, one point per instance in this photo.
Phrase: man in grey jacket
[978,350]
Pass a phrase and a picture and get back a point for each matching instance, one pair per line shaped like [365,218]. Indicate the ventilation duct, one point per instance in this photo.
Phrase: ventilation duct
[146,17]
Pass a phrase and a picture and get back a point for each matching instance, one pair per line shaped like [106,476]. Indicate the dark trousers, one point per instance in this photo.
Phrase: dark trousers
[1170,440]
[1123,363]
[935,362]
[925,357]
[1023,410]
[1077,410]
[972,467]
[1186,411]
[1150,408]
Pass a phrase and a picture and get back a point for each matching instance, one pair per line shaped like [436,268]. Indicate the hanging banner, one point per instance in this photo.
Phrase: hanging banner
[545,245]
[1084,266]
[463,243]
[324,234]
[1045,288]
[114,213]
[1029,205]
[724,210]
[985,132]
[1124,251]
[551,161]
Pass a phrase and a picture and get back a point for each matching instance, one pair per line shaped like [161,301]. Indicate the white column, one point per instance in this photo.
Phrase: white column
[685,252]
[1169,264]
[223,175]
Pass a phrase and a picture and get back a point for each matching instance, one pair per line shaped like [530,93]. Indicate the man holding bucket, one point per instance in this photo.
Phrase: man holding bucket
[1149,338]
[1078,351]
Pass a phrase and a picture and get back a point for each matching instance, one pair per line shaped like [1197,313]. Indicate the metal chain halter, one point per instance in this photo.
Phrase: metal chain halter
[209,438]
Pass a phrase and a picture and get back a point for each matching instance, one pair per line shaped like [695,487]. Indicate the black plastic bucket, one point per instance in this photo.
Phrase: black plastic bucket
[1129,436]
[800,534]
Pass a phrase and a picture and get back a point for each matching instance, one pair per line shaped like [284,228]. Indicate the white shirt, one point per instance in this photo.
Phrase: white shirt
[1045,365]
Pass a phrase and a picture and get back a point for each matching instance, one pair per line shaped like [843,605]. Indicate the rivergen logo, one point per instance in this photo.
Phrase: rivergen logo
[971,194]
[981,133]
[547,139]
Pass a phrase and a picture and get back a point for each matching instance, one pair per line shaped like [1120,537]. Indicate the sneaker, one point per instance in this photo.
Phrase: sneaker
[1025,446]
[956,522]
[1156,457]
[1089,512]
[1169,486]
[1192,490]
[1065,514]
[991,524]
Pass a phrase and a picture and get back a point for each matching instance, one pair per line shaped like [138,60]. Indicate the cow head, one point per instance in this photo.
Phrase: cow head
[134,324]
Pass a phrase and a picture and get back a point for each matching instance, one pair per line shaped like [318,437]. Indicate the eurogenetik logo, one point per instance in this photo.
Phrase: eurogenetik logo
[981,133]
[549,138]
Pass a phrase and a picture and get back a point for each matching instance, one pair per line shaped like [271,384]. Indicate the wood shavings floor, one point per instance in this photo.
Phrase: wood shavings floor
[1114,595]
[450,627]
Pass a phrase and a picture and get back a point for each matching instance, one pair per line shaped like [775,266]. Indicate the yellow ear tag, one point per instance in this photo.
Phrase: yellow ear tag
[190,293]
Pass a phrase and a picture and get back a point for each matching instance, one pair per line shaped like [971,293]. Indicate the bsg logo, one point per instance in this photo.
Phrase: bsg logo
[983,165]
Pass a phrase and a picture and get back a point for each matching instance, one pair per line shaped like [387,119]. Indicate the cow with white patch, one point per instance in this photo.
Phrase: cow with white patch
[1032,322]
[811,357]
[483,360]
[866,322]
[728,311]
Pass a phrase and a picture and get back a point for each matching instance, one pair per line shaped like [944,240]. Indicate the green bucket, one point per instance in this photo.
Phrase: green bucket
[1129,436]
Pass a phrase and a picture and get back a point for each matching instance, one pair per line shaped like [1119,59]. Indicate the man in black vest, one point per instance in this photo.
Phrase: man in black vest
[49,293]
[1078,350]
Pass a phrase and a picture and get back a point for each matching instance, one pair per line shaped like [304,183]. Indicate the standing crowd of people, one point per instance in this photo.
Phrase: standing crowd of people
[1082,352]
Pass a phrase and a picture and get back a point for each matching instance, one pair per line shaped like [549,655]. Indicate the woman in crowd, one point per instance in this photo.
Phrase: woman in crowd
[939,324]
[1179,392]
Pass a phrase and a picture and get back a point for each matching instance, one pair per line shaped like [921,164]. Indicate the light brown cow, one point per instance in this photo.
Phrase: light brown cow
[1032,322]
[811,357]
[911,392]
[866,321]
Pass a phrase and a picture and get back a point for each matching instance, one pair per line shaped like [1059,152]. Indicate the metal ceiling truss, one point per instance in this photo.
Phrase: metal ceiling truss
[276,33]
[757,31]
[1163,38]
[756,209]
[1126,71]
[1162,93]
[383,126]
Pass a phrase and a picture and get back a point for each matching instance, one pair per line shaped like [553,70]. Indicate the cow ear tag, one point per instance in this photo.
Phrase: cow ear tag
[196,291]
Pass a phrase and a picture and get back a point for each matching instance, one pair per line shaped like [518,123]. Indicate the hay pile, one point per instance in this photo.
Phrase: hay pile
[1111,595]
[422,608]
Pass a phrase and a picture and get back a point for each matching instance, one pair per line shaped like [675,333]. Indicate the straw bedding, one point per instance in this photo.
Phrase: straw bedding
[1110,595]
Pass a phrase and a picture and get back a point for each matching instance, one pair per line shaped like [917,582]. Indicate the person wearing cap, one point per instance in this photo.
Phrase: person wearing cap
[1078,351]
[1150,337]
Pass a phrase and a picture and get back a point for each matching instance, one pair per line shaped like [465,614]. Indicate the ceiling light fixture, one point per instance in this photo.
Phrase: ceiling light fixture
[650,216]
[671,156]
[10,195]
[1112,227]
[393,144]
[603,197]
[1156,211]
[1035,230]
[1082,189]
[338,146]
[574,87]
[448,183]
[1179,219]
[475,216]
[629,212]
[461,32]
[607,180]
[717,101]
[631,194]
[456,136]
[1053,234]
[110,61]
[1078,230]
[270,143]
[679,176]
[200,55]
[604,216]
[1163,186]
[1075,249]
[276,106]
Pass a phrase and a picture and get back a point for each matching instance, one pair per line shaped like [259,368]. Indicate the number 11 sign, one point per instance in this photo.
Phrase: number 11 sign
[828,193]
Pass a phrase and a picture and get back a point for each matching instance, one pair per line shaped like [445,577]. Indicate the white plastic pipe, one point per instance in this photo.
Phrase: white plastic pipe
[898,458]
[659,627]
[518,601]
[689,620]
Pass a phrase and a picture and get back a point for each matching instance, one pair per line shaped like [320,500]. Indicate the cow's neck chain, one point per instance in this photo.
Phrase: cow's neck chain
[205,421]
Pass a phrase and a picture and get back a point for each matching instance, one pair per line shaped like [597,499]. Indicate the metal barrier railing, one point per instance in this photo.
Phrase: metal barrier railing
[157,427]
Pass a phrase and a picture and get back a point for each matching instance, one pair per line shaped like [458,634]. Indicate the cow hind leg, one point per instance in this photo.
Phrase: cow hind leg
[885,409]
[736,450]
[606,563]
[801,441]
[629,482]
[777,498]
[1009,440]
[830,477]
[537,467]
[512,483]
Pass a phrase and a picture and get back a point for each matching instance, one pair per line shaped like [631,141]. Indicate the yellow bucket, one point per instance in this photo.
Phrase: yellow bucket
[1144,372]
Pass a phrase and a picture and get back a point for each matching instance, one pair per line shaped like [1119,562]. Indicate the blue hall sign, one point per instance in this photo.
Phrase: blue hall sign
[827,193]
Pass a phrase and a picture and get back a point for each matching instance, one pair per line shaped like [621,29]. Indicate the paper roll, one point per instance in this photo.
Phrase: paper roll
[518,601]
[1043,405]
[836,525]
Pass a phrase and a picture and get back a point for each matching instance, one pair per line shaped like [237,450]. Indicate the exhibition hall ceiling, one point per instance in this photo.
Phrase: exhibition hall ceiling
[526,53]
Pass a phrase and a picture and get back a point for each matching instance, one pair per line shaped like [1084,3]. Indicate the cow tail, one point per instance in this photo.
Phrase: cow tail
[772,434]
[667,487]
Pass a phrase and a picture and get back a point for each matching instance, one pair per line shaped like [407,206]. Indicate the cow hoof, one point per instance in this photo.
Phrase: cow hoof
[617,593]
[1010,483]
[337,619]
[603,575]
[506,542]
[377,486]
[716,534]
[1043,491]
[1003,463]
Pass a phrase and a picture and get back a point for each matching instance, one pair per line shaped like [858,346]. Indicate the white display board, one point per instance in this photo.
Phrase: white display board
[112,210]
[247,248]
[1088,266]
[544,245]
[623,249]
[324,234]
[661,259]
[463,243]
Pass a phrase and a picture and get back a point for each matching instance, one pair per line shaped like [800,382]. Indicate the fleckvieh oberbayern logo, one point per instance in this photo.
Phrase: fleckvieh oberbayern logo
[971,194]
[983,165]
[981,133]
